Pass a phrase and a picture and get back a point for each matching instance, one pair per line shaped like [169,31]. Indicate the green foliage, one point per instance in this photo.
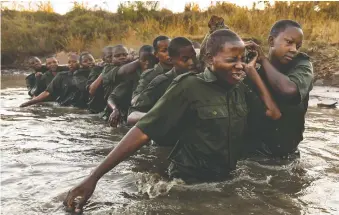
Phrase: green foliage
[135,23]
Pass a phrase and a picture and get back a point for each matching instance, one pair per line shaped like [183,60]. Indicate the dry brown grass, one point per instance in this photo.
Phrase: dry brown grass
[84,29]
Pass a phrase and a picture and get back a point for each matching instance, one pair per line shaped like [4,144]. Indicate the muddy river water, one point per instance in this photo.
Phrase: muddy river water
[46,149]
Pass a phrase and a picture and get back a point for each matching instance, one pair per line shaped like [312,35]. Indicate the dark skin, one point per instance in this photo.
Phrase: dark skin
[185,61]
[35,63]
[107,55]
[283,48]
[73,62]
[162,54]
[120,56]
[73,65]
[87,61]
[146,60]
[114,55]
[52,65]
[135,138]
[231,59]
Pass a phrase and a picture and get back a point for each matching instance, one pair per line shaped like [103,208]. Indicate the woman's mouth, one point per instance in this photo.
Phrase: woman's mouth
[289,58]
[239,76]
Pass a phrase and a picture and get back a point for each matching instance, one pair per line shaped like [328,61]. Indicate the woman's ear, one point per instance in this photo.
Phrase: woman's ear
[208,59]
[270,41]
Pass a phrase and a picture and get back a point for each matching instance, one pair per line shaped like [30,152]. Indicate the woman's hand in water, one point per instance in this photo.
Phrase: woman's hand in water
[78,196]
[252,46]
[114,118]
[24,104]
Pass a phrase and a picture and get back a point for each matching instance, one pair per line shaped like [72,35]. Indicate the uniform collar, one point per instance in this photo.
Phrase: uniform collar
[173,72]
[208,76]
[164,67]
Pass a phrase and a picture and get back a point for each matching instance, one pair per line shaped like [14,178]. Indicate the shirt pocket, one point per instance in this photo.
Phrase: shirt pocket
[212,112]
[212,127]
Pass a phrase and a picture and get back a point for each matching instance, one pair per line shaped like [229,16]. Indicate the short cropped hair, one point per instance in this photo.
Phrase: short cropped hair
[50,56]
[176,44]
[146,48]
[119,46]
[281,25]
[218,39]
[82,55]
[157,39]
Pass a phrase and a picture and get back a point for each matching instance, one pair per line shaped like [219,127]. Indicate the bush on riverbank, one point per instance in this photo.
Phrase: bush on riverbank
[43,32]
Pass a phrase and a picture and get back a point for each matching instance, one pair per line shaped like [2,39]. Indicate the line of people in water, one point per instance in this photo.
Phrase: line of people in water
[213,109]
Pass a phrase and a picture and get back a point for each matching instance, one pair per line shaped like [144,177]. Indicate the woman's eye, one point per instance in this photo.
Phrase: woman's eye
[230,60]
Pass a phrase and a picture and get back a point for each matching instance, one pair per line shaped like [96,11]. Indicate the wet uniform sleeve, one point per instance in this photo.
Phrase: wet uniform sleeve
[302,76]
[143,82]
[253,101]
[151,94]
[93,75]
[40,85]
[168,112]
[121,95]
[54,86]
[30,83]
[62,68]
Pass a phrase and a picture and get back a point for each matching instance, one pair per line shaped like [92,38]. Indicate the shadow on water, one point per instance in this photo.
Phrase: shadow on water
[47,149]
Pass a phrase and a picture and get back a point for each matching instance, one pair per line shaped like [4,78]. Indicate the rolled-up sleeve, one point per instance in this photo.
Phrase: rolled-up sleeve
[302,76]
[166,113]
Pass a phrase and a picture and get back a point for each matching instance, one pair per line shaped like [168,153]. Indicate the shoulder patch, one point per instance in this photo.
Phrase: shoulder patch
[157,80]
[303,56]
[147,72]
[183,76]
[59,74]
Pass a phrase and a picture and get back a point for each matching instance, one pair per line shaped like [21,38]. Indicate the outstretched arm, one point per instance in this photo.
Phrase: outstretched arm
[134,117]
[131,142]
[40,98]
[128,69]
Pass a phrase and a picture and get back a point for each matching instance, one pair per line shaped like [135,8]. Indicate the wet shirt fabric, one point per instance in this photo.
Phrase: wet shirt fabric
[31,79]
[282,137]
[207,121]
[153,92]
[122,94]
[96,104]
[147,77]
[69,88]
[44,80]
[94,74]
[110,81]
